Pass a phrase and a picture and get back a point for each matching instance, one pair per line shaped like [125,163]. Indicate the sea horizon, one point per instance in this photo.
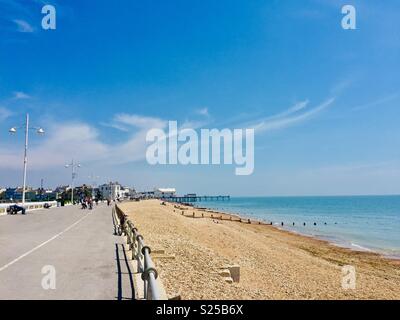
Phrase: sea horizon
[316,195]
[360,222]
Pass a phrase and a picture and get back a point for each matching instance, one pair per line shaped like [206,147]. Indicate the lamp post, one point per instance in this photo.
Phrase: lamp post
[73,166]
[93,179]
[14,130]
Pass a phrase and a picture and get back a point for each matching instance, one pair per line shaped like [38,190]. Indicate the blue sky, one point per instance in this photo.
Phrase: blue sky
[109,72]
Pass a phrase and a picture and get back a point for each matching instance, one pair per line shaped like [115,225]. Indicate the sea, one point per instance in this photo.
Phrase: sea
[364,223]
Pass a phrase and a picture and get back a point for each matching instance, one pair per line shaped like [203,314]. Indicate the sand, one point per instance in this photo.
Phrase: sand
[274,264]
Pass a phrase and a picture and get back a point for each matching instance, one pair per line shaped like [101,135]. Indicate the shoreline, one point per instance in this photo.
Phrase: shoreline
[274,263]
[340,243]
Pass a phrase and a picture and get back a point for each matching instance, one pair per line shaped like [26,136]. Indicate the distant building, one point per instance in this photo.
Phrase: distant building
[46,195]
[10,193]
[164,192]
[15,194]
[112,190]
[127,193]
[190,195]
[144,194]
[62,189]
[95,192]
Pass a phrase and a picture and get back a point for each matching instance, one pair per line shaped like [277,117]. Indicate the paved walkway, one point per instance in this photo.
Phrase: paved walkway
[89,260]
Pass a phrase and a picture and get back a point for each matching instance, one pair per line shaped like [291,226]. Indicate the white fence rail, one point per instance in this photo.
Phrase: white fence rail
[29,206]
[151,285]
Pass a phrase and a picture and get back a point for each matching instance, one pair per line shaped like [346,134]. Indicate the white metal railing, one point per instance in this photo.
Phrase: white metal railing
[29,206]
[140,253]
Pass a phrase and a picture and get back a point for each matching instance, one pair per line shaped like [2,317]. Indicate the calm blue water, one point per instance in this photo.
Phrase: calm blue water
[358,222]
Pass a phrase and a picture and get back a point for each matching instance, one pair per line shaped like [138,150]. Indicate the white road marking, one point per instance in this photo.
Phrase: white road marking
[41,245]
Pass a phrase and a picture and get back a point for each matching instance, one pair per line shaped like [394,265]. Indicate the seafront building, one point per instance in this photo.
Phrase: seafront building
[114,190]
[62,189]
[15,194]
[111,190]
[127,192]
[164,192]
[145,194]
[46,195]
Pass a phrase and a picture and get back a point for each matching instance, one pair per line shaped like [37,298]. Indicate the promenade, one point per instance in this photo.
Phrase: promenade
[90,262]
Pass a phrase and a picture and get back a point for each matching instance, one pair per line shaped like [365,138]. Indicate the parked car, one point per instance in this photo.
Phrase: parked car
[14,209]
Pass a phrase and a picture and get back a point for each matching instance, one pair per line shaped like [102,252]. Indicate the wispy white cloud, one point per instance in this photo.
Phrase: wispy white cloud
[341,86]
[137,121]
[127,122]
[202,121]
[4,113]
[380,101]
[203,112]
[18,95]
[115,125]
[294,109]
[289,117]
[61,142]
[23,26]
[82,141]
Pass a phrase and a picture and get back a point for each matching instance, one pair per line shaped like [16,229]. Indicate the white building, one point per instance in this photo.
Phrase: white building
[110,190]
[114,190]
[164,192]
[127,192]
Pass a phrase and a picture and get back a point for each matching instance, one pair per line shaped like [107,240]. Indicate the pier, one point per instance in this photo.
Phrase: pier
[188,198]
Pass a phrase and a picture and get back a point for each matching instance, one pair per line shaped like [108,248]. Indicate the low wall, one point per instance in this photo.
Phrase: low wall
[30,206]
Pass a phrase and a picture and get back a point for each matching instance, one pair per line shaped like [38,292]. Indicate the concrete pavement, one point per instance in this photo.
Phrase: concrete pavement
[89,261]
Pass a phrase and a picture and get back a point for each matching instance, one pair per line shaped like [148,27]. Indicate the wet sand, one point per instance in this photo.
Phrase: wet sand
[274,264]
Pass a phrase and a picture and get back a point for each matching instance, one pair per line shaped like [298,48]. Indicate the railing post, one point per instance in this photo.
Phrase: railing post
[141,253]
[150,275]
[154,292]
[139,239]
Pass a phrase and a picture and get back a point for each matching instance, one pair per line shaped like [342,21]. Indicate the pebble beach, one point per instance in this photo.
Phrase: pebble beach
[192,245]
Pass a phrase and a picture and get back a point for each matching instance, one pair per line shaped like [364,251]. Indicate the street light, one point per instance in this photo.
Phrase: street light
[14,130]
[93,179]
[73,166]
